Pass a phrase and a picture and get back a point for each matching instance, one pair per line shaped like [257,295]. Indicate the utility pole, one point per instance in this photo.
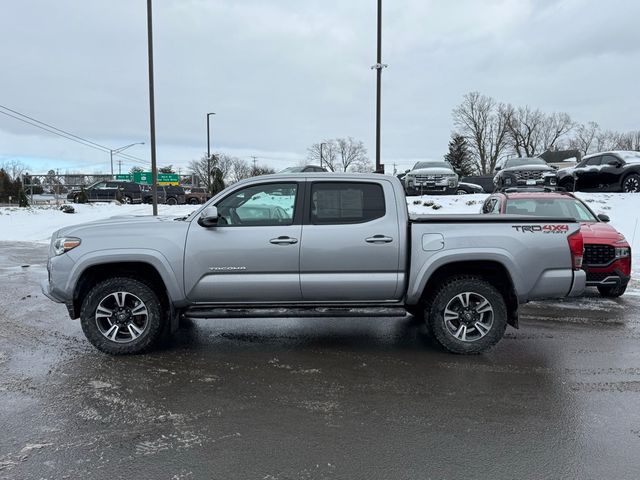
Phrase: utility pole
[119,166]
[152,111]
[209,153]
[378,67]
[255,161]
[118,150]
[321,157]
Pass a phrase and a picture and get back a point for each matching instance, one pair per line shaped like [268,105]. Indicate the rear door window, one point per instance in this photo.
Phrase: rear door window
[346,202]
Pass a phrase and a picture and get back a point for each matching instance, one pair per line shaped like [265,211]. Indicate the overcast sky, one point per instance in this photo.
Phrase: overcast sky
[283,74]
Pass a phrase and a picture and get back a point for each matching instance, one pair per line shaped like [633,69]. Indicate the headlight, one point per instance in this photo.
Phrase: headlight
[622,252]
[64,244]
[553,180]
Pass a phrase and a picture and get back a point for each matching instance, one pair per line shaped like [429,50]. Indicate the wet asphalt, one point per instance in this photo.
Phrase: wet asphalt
[317,398]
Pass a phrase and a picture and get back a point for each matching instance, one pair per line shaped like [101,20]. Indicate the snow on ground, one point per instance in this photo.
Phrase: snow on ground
[36,224]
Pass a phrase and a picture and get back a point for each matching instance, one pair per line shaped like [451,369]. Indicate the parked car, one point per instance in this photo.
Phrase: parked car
[431,177]
[524,172]
[196,195]
[607,254]
[304,169]
[342,244]
[108,191]
[167,194]
[468,188]
[617,171]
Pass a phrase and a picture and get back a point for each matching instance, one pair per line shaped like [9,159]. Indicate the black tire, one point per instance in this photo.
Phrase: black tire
[128,200]
[149,335]
[194,201]
[495,322]
[612,291]
[172,201]
[631,183]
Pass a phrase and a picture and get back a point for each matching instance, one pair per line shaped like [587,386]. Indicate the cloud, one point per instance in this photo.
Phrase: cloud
[283,74]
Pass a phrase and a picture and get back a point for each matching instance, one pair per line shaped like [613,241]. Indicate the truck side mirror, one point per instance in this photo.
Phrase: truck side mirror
[407,171]
[208,217]
[497,169]
[604,218]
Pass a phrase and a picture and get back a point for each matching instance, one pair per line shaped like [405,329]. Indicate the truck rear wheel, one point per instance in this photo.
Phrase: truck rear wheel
[122,315]
[467,315]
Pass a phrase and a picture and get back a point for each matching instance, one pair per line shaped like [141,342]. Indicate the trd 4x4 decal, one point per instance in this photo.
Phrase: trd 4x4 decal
[541,228]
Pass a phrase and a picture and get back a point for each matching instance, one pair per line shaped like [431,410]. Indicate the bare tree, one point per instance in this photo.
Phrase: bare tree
[340,155]
[15,168]
[606,140]
[583,139]
[328,157]
[350,153]
[483,123]
[532,132]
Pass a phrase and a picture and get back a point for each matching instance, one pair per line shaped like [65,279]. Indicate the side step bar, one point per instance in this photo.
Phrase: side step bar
[286,312]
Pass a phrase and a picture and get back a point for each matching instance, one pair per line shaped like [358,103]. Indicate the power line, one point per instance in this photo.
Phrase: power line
[63,133]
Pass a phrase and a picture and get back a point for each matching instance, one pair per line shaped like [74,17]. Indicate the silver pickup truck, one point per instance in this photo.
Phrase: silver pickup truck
[310,245]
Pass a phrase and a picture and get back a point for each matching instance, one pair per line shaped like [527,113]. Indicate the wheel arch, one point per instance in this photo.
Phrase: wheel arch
[492,271]
[142,270]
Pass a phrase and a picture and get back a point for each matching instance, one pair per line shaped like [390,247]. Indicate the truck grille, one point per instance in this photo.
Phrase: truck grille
[528,174]
[429,178]
[599,254]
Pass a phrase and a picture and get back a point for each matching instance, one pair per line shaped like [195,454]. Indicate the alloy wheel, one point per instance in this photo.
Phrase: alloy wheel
[631,185]
[122,317]
[468,316]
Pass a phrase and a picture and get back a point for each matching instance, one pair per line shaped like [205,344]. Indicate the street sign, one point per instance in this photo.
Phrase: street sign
[145,178]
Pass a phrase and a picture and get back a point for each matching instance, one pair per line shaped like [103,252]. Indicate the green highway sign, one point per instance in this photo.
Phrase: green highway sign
[145,178]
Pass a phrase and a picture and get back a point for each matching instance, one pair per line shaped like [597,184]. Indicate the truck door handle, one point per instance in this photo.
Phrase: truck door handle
[283,240]
[379,239]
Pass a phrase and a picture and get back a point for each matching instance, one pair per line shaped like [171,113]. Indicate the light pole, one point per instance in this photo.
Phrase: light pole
[118,150]
[152,110]
[321,158]
[378,67]
[209,152]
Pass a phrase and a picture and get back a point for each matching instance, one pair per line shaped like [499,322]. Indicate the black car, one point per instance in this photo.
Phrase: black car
[617,171]
[108,191]
[305,168]
[524,172]
[169,194]
[468,188]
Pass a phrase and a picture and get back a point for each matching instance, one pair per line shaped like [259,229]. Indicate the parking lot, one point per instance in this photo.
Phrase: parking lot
[317,398]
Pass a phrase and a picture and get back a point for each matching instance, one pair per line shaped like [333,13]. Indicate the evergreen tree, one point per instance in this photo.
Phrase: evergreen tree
[459,157]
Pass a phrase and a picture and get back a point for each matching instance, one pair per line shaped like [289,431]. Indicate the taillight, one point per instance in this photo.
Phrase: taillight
[576,245]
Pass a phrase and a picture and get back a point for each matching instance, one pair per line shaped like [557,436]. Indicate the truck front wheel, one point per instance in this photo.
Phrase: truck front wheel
[467,315]
[122,315]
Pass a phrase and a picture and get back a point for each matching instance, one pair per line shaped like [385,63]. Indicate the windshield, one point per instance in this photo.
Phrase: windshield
[551,207]
[431,165]
[519,162]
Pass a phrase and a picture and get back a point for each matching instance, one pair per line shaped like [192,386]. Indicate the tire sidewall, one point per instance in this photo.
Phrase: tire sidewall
[449,290]
[117,284]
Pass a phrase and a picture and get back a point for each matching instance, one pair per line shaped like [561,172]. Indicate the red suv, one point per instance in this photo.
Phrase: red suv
[607,254]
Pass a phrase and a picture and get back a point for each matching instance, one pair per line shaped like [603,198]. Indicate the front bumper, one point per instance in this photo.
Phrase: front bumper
[51,294]
[615,277]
